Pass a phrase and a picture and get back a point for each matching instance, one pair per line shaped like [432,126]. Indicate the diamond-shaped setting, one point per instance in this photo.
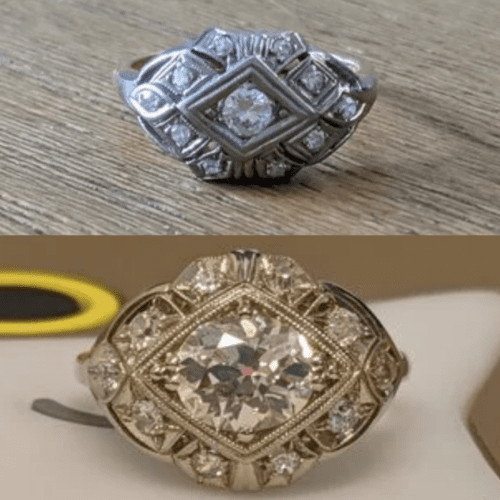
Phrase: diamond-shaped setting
[241,111]
[245,374]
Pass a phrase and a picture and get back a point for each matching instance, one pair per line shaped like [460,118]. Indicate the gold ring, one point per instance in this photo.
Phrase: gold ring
[244,371]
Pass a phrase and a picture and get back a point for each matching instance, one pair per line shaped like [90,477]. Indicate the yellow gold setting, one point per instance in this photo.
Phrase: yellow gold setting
[244,371]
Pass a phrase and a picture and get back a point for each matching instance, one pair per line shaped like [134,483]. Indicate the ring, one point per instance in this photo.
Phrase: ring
[248,104]
[244,371]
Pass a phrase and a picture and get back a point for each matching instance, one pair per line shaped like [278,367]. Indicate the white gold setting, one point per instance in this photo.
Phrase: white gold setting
[247,99]
[244,371]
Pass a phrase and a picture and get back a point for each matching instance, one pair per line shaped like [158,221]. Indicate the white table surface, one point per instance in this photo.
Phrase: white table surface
[420,449]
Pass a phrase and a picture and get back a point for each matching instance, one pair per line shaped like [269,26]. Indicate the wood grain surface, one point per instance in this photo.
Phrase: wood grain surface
[425,161]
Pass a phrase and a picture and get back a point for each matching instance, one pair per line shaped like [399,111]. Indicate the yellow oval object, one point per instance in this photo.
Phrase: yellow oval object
[98,305]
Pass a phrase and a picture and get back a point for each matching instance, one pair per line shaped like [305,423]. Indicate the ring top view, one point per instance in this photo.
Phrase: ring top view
[248,104]
[244,371]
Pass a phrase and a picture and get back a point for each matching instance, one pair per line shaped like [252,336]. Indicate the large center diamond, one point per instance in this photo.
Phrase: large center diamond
[247,111]
[245,374]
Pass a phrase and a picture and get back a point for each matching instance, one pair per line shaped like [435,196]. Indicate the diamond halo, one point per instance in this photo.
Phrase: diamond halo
[245,383]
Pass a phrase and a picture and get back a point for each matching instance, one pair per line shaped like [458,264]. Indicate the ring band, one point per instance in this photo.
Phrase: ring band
[244,371]
[248,104]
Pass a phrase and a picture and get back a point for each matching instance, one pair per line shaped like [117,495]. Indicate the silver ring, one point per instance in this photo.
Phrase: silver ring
[244,371]
[248,104]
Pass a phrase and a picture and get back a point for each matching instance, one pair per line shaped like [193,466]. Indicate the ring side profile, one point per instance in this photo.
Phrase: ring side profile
[244,371]
[248,104]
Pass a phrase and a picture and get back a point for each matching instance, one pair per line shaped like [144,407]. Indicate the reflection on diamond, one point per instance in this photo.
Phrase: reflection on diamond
[245,374]
[247,111]
[145,328]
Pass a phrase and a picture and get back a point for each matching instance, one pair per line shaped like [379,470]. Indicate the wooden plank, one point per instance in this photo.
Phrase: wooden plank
[425,161]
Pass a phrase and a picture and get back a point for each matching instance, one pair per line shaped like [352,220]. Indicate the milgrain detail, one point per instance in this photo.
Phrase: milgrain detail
[244,371]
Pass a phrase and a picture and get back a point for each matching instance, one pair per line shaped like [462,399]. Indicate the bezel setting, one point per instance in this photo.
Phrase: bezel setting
[353,369]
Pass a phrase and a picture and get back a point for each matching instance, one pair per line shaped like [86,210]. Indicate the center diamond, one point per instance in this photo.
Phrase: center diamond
[247,111]
[245,374]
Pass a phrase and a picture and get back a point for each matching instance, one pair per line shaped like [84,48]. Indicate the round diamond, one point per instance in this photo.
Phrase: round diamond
[182,77]
[222,45]
[145,328]
[347,108]
[209,464]
[346,327]
[147,418]
[247,111]
[150,101]
[313,80]
[285,464]
[343,417]
[283,49]
[315,140]
[277,169]
[180,134]
[245,374]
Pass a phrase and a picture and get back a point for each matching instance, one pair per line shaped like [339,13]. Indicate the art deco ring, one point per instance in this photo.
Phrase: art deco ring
[244,371]
[248,104]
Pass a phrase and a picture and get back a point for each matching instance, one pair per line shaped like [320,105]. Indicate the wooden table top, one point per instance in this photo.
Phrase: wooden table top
[425,161]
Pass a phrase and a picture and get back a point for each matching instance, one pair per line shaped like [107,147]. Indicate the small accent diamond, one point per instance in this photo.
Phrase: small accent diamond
[277,169]
[149,100]
[315,140]
[147,418]
[211,166]
[313,80]
[145,328]
[105,372]
[346,327]
[180,134]
[182,77]
[209,464]
[285,464]
[343,417]
[347,108]
[222,45]
[283,49]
